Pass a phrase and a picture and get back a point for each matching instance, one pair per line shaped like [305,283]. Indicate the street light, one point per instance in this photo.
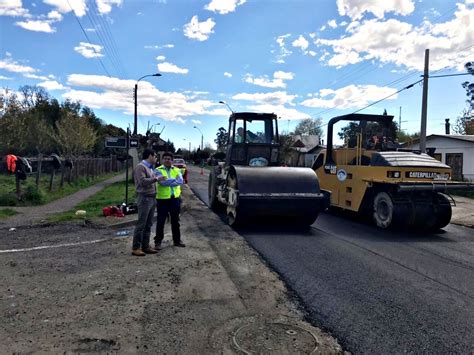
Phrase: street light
[225,103]
[184,139]
[202,138]
[135,99]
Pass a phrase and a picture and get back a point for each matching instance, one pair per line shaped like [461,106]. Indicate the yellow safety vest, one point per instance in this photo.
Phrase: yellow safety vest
[164,192]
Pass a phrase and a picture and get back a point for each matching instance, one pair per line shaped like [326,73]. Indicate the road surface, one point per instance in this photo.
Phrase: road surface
[376,291]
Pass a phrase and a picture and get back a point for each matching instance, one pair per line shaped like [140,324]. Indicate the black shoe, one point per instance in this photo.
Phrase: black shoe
[179,244]
[158,246]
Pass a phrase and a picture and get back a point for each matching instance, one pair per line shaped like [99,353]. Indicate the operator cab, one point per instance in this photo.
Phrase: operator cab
[253,139]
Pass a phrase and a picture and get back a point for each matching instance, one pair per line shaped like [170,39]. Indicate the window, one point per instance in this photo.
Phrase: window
[256,132]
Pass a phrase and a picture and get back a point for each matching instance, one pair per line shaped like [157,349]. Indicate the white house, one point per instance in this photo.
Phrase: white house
[457,151]
[305,149]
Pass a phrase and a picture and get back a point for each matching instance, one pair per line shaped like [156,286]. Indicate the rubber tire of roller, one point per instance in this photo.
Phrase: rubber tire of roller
[383,210]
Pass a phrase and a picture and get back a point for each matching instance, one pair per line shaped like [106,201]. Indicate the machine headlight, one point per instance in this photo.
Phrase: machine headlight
[393,174]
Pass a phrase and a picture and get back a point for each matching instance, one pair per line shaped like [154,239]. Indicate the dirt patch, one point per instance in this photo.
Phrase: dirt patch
[84,292]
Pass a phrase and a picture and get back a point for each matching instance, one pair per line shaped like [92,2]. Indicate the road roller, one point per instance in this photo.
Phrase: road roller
[372,175]
[250,184]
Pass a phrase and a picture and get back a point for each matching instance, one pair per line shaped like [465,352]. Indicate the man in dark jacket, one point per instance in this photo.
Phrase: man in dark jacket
[145,180]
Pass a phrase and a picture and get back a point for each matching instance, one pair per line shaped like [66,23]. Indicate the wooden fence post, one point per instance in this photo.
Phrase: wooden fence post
[51,180]
[18,188]
[38,170]
[63,168]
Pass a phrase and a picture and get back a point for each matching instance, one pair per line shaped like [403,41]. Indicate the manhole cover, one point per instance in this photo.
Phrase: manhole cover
[261,338]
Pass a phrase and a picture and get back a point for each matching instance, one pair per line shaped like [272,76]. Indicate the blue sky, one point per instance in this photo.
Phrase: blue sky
[296,58]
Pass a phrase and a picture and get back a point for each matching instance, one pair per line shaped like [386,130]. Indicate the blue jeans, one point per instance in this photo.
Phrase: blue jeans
[146,210]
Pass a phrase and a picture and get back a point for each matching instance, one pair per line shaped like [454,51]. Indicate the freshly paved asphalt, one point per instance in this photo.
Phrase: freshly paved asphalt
[376,291]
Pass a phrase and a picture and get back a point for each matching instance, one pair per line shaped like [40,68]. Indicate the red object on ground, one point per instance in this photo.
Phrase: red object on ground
[112,211]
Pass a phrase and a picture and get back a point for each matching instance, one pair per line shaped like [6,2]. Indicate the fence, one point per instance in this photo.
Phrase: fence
[69,170]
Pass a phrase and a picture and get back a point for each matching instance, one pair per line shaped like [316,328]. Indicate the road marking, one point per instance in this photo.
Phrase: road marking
[56,246]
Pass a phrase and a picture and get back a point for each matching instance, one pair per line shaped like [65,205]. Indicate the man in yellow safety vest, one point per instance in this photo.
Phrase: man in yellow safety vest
[168,200]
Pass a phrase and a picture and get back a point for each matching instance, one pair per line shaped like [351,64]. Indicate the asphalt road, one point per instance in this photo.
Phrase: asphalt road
[376,291]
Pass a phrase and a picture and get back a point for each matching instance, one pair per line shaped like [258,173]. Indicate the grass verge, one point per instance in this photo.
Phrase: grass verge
[33,196]
[7,212]
[110,196]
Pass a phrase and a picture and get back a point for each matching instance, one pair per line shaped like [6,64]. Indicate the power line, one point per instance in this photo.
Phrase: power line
[88,40]
[102,42]
[110,38]
[386,97]
[443,76]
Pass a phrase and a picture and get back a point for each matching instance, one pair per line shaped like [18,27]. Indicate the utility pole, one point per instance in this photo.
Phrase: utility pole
[135,109]
[424,102]
[126,166]
[400,120]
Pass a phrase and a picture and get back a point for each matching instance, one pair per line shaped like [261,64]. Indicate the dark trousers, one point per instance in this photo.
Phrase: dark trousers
[171,207]
[146,210]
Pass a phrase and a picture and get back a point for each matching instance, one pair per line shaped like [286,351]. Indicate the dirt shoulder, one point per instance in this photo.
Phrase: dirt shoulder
[463,212]
[79,289]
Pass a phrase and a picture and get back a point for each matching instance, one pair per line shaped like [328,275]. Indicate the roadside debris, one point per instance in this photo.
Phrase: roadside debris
[122,233]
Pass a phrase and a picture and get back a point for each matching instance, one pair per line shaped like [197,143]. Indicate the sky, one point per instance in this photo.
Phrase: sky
[297,58]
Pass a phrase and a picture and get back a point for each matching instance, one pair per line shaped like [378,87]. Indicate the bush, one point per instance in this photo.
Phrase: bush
[8,199]
[34,195]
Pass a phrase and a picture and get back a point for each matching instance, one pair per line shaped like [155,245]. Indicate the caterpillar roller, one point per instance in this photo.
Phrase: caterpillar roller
[373,176]
[250,184]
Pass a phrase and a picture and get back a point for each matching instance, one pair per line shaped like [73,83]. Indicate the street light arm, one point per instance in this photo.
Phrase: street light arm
[135,103]
[198,129]
[202,137]
[146,76]
[225,103]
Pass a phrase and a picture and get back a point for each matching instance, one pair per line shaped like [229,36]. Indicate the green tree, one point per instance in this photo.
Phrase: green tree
[407,137]
[465,122]
[221,139]
[368,129]
[309,126]
[74,135]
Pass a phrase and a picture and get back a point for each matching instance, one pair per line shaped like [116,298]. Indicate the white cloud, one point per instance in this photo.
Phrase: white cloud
[36,25]
[111,93]
[64,6]
[156,46]
[270,98]
[161,58]
[355,8]
[349,97]
[12,66]
[281,111]
[54,15]
[284,52]
[400,43]
[227,74]
[224,6]
[52,85]
[166,67]
[5,78]
[105,6]
[196,122]
[12,8]
[199,30]
[301,42]
[332,23]
[34,76]
[89,50]
[323,27]
[276,82]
